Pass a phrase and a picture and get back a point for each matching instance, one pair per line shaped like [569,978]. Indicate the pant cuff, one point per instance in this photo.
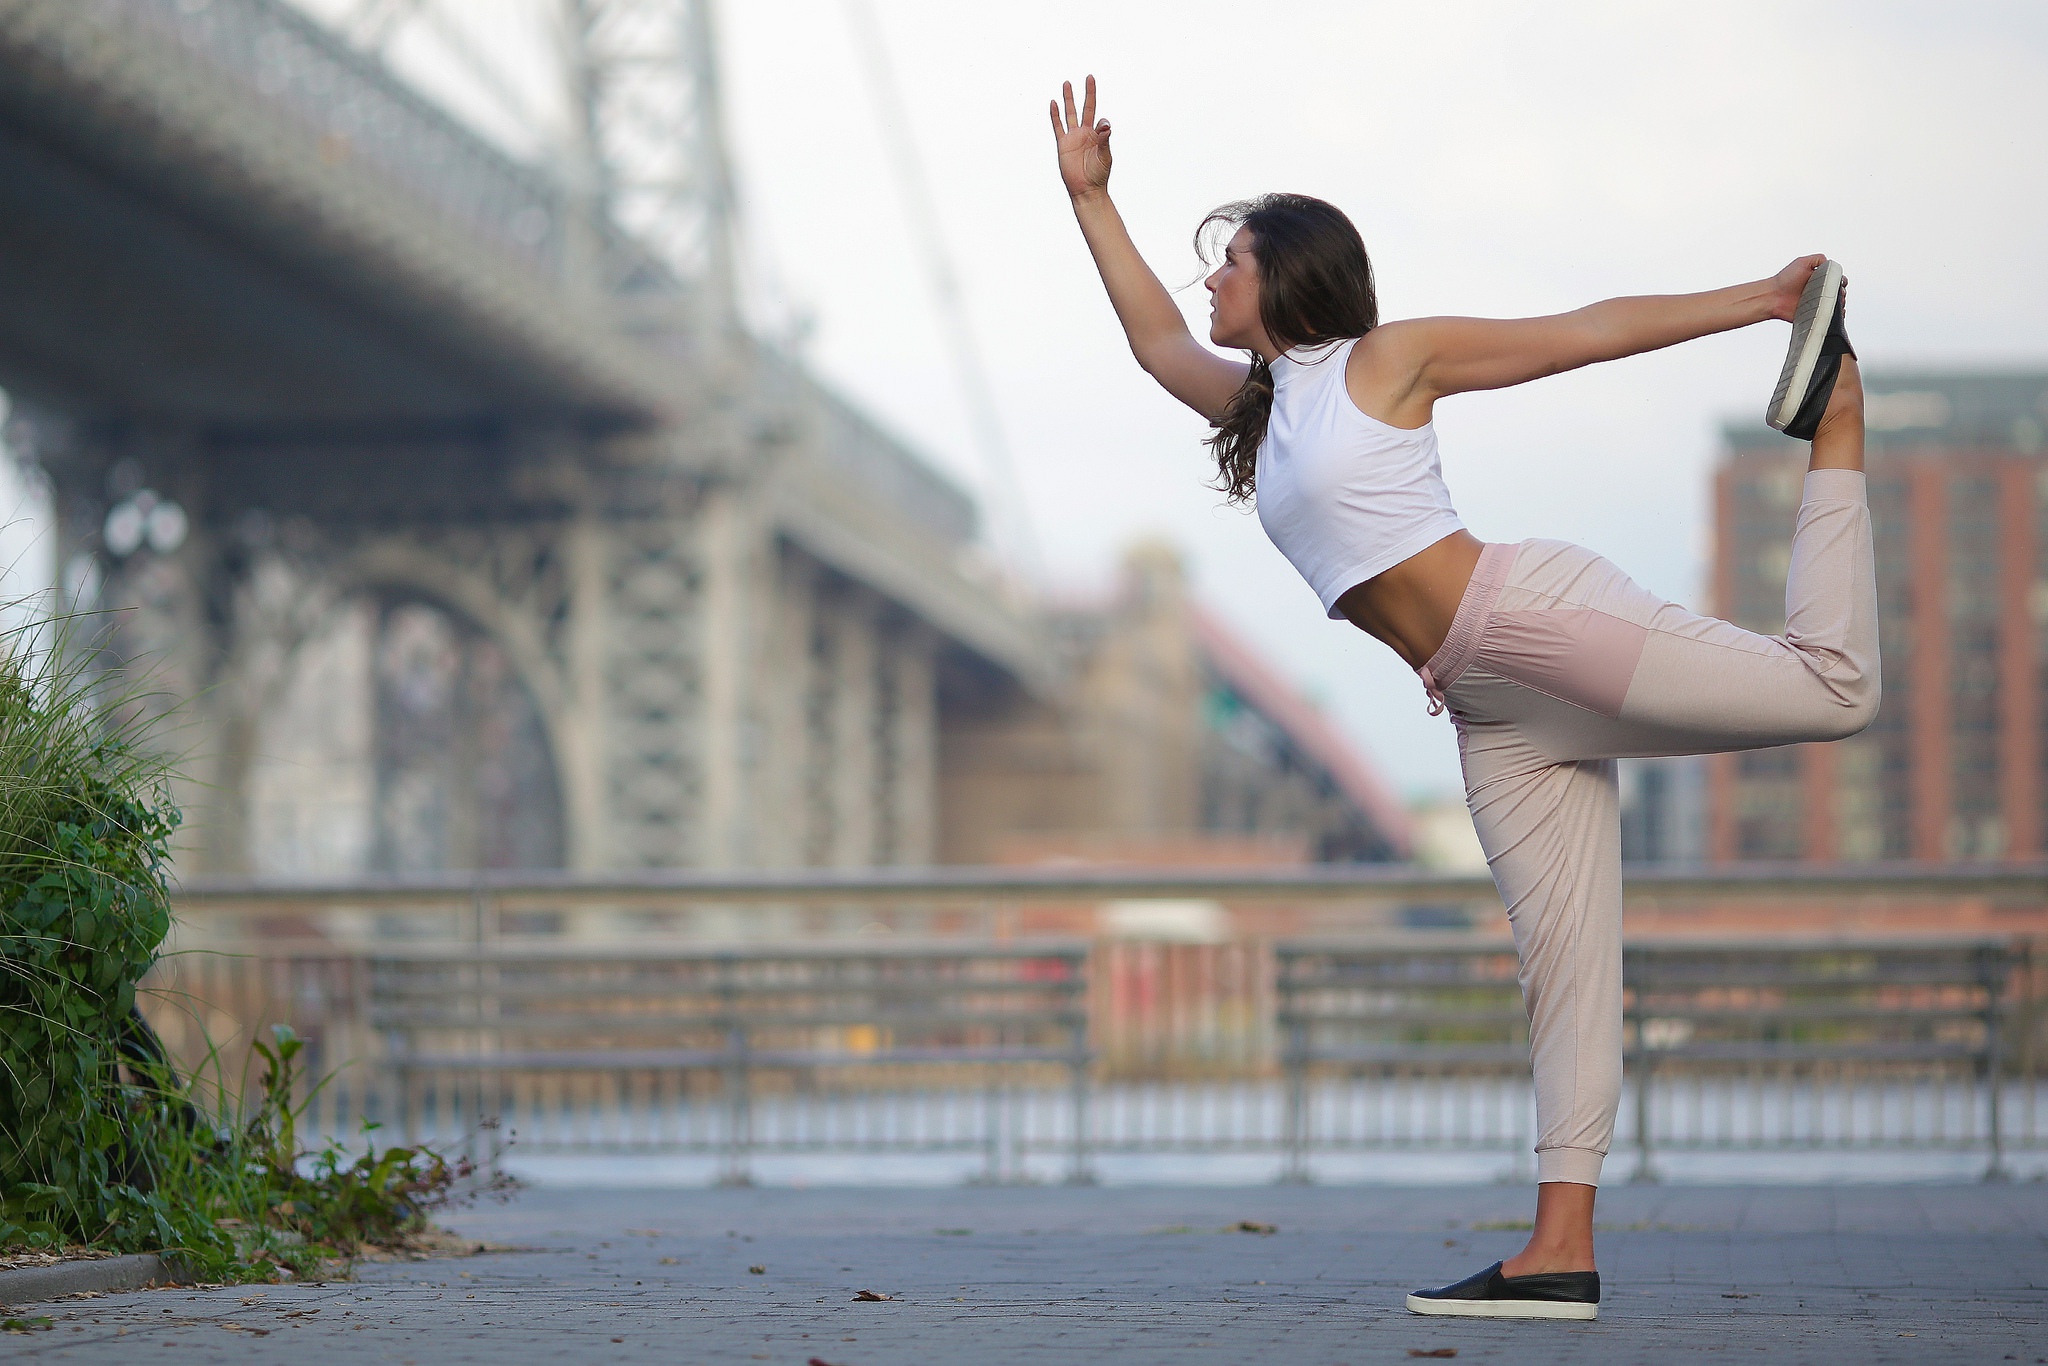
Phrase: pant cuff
[1835,486]
[1581,1165]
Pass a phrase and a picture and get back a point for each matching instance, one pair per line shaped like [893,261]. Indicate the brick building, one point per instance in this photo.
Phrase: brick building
[1956,765]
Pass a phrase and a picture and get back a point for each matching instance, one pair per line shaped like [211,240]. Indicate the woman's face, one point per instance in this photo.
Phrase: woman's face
[1234,297]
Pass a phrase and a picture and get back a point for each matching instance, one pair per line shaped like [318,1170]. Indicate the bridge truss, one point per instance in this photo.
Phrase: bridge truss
[505,545]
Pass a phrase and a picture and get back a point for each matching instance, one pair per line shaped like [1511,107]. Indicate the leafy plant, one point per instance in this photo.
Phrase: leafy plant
[101,1142]
[86,821]
[243,1201]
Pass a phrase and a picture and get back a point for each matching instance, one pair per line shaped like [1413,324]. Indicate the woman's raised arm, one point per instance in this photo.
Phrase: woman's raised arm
[1159,336]
[1406,366]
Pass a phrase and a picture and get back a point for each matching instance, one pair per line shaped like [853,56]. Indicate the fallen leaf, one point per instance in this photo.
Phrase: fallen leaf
[1735,1295]
[670,1261]
[817,1361]
[871,1295]
[244,1328]
[1253,1226]
[757,1271]
[1432,1351]
[41,1323]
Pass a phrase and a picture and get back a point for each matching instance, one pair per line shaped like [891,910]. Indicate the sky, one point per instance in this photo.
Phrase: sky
[1499,158]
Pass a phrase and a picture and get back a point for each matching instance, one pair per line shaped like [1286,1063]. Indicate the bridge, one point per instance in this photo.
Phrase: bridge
[470,529]
[331,389]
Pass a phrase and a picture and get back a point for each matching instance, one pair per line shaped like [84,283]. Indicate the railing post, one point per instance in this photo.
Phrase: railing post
[995,1170]
[1646,1170]
[739,1119]
[1294,1069]
[1082,1170]
[1993,964]
[992,1128]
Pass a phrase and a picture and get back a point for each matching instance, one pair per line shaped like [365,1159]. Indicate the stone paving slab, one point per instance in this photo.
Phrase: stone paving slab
[1138,1276]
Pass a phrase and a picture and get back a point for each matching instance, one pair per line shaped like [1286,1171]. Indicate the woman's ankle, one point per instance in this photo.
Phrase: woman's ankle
[1838,441]
[1561,1239]
[1536,1261]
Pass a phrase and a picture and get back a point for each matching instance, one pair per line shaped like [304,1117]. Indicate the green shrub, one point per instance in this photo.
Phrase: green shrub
[85,826]
[101,1143]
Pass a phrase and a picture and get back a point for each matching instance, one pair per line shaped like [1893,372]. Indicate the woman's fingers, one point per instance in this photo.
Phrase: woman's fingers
[1053,107]
[1088,108]
[1067,89]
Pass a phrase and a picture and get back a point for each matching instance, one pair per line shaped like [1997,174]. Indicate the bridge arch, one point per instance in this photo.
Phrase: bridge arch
[405,736]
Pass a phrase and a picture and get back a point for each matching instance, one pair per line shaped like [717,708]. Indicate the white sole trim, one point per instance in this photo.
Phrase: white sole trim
[1809,330]
[1503,1309]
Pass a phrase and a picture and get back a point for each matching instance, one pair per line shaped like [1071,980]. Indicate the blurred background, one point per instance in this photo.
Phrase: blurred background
[642,472]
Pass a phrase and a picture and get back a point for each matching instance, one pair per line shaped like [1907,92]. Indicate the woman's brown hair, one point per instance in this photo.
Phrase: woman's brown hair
[1315,285]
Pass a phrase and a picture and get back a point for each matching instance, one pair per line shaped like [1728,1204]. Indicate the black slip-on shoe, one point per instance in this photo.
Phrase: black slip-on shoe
[1490,1295]
[1819,341]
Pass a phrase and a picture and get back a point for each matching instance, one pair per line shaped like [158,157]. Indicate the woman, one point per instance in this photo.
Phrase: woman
[1550,661]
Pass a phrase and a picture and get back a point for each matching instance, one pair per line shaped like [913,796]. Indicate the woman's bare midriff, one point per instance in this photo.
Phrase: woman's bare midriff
[1410,607]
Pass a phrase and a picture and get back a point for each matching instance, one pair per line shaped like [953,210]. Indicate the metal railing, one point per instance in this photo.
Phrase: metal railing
[631,1015]
[672,1041]
[1786,1045]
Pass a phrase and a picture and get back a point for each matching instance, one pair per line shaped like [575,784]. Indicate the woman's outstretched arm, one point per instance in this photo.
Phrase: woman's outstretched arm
[1411,364]
[1159,336]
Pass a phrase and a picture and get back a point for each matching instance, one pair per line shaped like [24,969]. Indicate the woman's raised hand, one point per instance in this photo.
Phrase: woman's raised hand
[1083,143]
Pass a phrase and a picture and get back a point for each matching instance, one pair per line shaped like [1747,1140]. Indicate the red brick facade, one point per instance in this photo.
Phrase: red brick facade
[1953,768]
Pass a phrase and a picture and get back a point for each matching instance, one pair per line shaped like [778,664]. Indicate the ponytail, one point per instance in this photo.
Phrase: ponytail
[1236,436]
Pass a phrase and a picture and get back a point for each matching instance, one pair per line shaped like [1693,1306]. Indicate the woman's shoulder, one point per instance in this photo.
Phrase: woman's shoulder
[1383,373]
[1388,343]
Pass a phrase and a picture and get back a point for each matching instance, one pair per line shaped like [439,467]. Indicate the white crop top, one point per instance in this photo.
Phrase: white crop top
[1344,496]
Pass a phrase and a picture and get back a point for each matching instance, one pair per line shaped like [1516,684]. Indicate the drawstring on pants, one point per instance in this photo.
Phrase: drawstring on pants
[1435,694]
[1468,626]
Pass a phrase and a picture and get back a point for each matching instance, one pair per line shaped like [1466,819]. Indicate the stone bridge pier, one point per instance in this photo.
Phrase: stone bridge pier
[485,650]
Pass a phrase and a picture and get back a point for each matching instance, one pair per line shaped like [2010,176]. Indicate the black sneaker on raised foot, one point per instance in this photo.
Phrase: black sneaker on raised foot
[1819,342]
[1490,1295]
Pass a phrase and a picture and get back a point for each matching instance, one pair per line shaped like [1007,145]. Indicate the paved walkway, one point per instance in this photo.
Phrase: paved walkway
[1135,1276]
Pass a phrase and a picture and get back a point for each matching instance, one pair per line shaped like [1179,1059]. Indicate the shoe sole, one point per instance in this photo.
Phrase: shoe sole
[1503,1309]
[1809,330]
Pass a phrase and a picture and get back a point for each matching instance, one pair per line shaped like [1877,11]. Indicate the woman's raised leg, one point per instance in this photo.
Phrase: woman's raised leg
[1540,777]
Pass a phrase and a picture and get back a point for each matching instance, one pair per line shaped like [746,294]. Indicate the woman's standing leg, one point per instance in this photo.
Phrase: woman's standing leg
[1552,835]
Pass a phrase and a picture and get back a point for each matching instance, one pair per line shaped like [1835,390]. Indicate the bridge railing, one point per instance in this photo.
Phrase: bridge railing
[1289,1016]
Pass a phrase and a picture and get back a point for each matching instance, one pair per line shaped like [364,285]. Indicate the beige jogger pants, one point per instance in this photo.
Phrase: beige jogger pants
[1558,664]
